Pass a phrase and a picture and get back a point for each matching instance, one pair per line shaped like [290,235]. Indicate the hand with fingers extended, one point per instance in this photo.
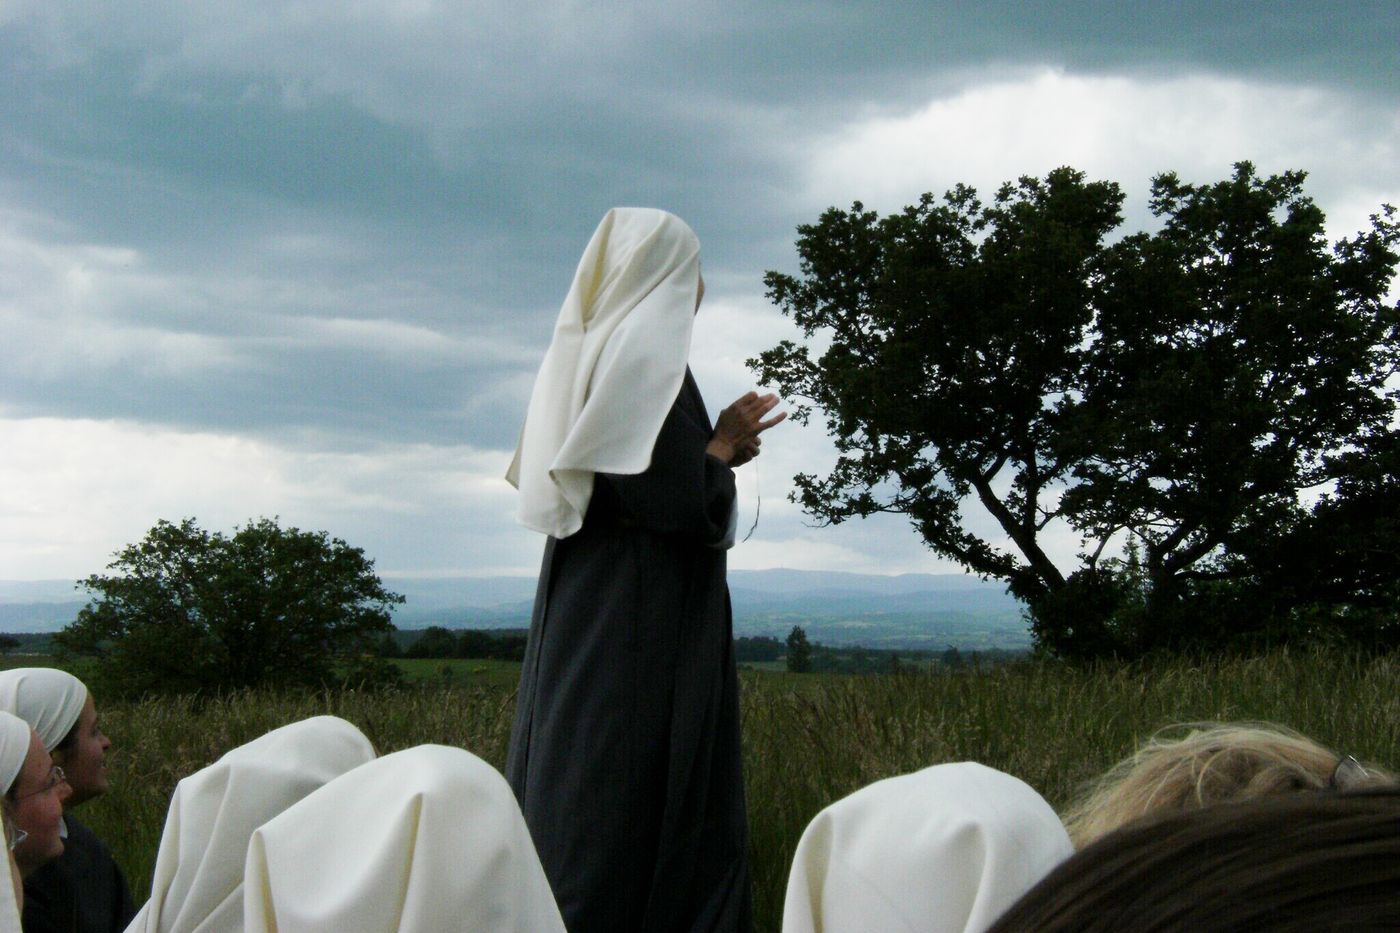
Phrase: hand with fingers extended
[736,439]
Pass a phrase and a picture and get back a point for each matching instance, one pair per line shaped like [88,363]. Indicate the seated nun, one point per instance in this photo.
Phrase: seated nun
[83,889]
[17,745]
[426,839]
[34,791]
[944,849]
[197,884]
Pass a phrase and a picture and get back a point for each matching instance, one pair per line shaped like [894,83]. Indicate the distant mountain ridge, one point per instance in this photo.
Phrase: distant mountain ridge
[908,611]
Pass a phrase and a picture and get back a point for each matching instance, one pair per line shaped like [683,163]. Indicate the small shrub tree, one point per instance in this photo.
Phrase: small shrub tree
[186,610]
[799,651]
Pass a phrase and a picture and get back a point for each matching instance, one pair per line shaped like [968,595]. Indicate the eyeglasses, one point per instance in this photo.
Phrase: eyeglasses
[56,777]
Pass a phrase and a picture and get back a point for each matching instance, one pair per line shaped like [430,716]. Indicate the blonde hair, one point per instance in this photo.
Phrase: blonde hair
[1211,763]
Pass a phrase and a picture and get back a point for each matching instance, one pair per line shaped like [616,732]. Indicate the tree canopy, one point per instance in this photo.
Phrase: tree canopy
[1185,391]
[187,610]
[799,651]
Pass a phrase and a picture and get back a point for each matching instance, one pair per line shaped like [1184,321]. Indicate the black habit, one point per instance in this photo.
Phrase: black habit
[81,891]
[624,753]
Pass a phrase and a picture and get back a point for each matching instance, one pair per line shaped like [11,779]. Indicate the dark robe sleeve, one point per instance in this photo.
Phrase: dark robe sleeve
[50,905]
[82,891]
[685,491]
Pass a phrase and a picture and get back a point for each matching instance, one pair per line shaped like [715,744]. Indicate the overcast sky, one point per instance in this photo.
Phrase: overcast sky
[302,259]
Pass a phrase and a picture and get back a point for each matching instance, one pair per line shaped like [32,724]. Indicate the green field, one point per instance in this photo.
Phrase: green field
[808,739]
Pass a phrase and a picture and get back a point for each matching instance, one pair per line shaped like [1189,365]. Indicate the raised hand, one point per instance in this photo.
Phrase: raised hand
[736,439]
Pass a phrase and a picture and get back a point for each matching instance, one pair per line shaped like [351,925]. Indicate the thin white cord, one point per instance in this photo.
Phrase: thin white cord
[757,500]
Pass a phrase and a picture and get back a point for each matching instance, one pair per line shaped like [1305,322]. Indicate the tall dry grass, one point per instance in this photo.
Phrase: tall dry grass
[808,739]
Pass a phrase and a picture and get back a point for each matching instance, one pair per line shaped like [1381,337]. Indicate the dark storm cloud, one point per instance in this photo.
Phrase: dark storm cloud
[330,226]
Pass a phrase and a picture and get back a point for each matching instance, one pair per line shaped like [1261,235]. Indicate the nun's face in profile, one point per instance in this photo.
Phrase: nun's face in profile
[38,796]
[84,758]
[700,294]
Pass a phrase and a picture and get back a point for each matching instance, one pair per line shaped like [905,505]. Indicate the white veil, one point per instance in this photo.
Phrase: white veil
[943,850]
[426,839]
[197,885]
[613,368]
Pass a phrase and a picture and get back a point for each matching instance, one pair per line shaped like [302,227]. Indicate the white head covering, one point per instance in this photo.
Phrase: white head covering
[198,879]
[9,909]
[614,367]
[948,848]
[426,839]
[15,735]
[48,699]
[14,746]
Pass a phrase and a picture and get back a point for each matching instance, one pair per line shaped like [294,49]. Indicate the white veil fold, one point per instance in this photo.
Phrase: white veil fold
[15,736]
[613,368]
[48,699]
[426,839]
[9,907]
[943,850]
[197,885]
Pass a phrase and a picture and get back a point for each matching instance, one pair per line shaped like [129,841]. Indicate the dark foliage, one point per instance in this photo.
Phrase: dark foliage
[500,646]
[438,642]
[1184,390]
[434,642]
[189,611]
[799,651]
[759,648]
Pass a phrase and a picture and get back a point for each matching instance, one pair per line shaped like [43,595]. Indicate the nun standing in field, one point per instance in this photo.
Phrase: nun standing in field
[624,753]
[83,889]
[19,747]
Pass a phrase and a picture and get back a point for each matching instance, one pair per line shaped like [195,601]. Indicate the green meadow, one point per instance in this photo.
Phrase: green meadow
[808,739]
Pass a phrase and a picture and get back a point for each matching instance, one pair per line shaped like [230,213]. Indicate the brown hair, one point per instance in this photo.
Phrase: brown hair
[1293,863]
[69,740]
[1194,765]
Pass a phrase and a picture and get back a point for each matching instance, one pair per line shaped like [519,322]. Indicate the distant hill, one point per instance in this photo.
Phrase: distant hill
[39,591]
[930,611]
[39,605]
[911,611]
[781,580]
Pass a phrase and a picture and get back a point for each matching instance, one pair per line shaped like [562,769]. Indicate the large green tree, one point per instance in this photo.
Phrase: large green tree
[1185,390]
[1335,567]
[187,610]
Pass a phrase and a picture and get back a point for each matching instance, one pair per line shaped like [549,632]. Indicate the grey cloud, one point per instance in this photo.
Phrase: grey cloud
[305,194]
[351,394]
[502,113]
